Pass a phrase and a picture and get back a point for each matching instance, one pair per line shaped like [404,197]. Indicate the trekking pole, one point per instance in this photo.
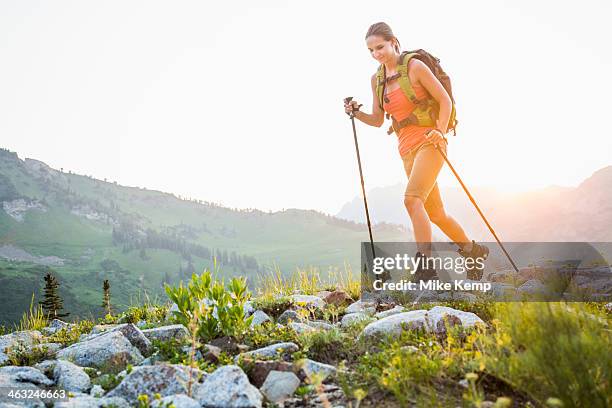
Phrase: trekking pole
[365,201]
[477,208]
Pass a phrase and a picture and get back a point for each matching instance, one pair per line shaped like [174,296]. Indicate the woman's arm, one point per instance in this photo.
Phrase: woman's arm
[377,117]
[429,81]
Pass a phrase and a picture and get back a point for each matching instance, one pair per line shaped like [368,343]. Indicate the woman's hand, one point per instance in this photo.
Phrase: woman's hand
[436,137]
[351,107]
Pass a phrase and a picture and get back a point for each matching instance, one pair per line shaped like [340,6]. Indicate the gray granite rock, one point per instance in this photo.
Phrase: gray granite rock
[308,301]
[110,349]
[352,318]
[71,377]
[229,387]
[289,315]
[270,352]
[165,333]
[179,401]
[165,379]
[259,317]
[279,386]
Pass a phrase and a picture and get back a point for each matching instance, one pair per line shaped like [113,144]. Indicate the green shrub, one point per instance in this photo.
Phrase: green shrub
[230,319]
[552,350]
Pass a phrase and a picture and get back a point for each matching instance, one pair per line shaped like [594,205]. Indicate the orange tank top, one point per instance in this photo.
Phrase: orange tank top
[411,136]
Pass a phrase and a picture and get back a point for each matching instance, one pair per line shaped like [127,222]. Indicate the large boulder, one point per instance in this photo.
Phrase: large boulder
[165,333]
[110,350]
[229,387]
[71,377]
[24,379]
[279,386]
[394,324]
[129,330]
[164,379]
[434,320]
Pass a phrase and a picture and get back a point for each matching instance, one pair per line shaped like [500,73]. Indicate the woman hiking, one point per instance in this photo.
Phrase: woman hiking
[416,143]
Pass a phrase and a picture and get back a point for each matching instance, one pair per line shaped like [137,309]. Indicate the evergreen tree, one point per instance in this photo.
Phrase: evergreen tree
[52,302]
[106,297]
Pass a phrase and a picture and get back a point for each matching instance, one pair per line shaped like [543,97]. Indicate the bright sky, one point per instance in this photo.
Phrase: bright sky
[241,102]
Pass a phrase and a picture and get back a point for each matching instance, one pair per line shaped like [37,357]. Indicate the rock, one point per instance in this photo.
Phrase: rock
[352,318]
[228,386]
[301,328]
[397,309]
[394,324]
[308,301]
[25,379]
[532,287]
[259,317]
[129,330]
[26,375]
[279,386]
[164,379]
[226,343]
[322,294]
[307,368]
[165,333]
[258,370]
[178,400]
[609,307]
[71,377]
[468,319]
[431,321]
[87,401]
[211,353]
[288,315]
[361,307]
[27,338]
[46,367]
[107,350]
[248,308]
[499,277]
[320,325]
[55,326]
[97,391]
[270,352]
[337,298]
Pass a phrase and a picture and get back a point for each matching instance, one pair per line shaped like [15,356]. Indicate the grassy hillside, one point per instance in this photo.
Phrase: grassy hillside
[100,230]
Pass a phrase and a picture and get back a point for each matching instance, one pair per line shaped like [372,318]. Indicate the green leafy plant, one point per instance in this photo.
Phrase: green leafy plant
[220,311]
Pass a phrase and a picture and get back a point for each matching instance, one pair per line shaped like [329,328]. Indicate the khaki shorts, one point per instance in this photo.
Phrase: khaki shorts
[422,165]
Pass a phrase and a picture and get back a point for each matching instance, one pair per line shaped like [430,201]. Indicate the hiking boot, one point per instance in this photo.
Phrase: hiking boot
[424,273]
[478,251]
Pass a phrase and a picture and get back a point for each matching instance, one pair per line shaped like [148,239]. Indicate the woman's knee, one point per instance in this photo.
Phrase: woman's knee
[412,203]
[437,215]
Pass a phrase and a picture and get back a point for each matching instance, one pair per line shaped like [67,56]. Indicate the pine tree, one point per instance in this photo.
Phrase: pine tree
[106,304]
[52,302]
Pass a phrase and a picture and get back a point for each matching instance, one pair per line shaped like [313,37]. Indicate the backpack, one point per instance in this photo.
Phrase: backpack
[426,111]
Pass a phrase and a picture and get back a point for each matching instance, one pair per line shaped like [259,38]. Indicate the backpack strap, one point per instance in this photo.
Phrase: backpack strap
[381,85]
[404,79]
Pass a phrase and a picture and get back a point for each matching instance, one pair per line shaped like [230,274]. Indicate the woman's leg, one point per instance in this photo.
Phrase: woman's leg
[422,168]
[448,225]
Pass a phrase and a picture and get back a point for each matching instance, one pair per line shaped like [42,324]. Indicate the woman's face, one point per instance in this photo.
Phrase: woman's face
[380,49]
